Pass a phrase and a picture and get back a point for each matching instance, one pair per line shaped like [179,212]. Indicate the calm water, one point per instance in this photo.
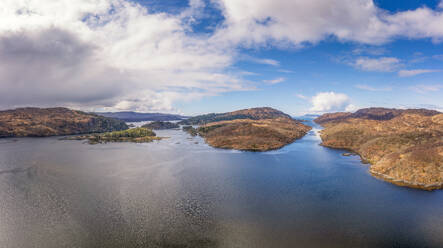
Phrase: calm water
[176,193]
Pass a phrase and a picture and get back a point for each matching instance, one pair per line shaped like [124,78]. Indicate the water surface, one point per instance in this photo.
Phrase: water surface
[179,192]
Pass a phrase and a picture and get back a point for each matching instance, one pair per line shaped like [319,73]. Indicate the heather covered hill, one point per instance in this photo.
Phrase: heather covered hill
[40,122]
[136,116]
[258,129]
[252,114]
[403,146]
[373,114]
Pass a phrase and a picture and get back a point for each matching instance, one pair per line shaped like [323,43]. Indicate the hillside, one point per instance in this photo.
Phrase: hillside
[136,116]
[39,122]
[252,114]
[160,125]
[404,147]
[373,114]
[258,129]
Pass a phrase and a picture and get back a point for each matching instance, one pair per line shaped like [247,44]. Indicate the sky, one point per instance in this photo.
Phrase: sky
[198,56]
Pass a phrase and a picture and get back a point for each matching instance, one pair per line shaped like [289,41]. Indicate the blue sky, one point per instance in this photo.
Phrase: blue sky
[324,67]
[202,56]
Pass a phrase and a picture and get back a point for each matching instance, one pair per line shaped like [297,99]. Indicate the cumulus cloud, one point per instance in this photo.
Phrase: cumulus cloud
[116,54]
[258,22]
[383,64]
[410,73]
[331,101]
[275,81]
[111,54]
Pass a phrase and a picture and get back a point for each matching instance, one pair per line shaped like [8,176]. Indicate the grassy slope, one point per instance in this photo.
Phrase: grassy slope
[406,149]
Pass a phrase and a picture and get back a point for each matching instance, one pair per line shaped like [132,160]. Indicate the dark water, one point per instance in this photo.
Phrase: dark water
[175,193]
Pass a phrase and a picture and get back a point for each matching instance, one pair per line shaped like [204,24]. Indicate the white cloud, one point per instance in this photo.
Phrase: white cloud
[282,22]
[301,96]
[383,64]
[116,54]
[263,61]
[370,88]
[376,51]
[111,54]
[410,73]
[285,71]
[331,101]
[351,108]
[275,81]
[425,88]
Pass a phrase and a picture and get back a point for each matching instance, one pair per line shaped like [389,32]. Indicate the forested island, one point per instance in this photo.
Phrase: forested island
[136,135]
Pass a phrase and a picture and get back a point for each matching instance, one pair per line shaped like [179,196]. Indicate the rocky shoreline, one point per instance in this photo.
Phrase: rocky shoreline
[405,183]
[404,147]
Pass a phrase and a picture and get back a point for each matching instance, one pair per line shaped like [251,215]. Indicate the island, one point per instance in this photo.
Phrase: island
[42,122]
[136,135]
[404,147]
[255,129]
[161,125]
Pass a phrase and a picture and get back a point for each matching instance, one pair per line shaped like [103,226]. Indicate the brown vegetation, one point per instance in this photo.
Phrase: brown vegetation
[405,147]
[39,122]
[258,129]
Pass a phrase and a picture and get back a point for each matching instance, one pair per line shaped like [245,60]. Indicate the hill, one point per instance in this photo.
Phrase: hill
[136,116]
[404,147]
[257,129]
[252,114]
[40,122]
[373,114]
[159,125]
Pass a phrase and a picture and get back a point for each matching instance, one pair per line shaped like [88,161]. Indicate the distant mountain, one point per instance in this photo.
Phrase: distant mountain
[40,122]
[130,116]
[251,114]
[379,114]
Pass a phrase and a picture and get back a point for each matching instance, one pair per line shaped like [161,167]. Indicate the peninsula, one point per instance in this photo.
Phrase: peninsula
[256,129]
[404,147]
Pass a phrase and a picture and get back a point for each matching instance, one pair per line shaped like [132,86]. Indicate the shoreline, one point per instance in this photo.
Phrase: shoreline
[404,183]
[389,179]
